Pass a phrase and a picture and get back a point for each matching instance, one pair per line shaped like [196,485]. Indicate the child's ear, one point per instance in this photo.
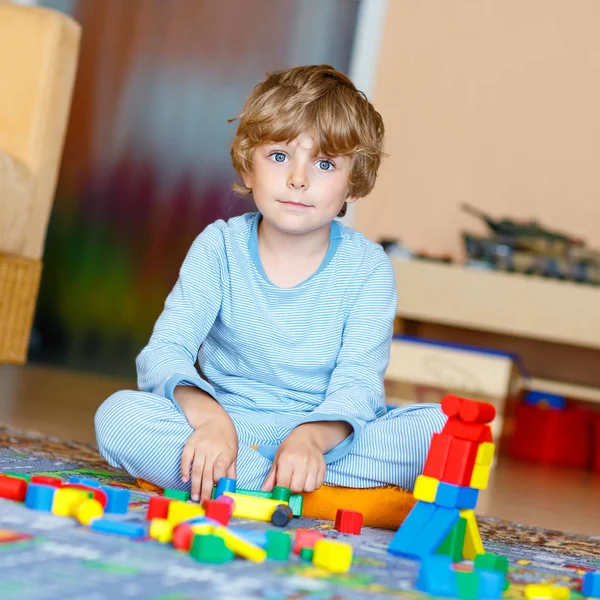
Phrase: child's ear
[247,177]
[351,199]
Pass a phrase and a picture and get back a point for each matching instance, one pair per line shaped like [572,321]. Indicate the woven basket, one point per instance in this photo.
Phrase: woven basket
[19,286]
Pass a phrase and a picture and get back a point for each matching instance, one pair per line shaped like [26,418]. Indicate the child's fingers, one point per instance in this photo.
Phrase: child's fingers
[186,461]
[220,467]
[207,483]
[270,480]
[310,484]
[297,480]
[321,476]
[231,471]
[285,472]
[197,475]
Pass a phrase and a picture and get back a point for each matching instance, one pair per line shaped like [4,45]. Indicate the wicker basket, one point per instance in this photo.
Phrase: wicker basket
[19,285]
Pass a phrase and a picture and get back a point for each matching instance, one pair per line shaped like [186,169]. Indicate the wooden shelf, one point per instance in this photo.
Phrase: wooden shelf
[508,303]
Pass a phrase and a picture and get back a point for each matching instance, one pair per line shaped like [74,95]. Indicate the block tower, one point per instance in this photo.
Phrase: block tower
[456,469]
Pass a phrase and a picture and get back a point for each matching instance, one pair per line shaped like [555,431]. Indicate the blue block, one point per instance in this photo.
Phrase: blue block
[85,481]
[436,577]
[225,485]
[258,538]
[591,585]
[117,500]
[456,496]
[130,530]
[411,527]
[434,532]
[491,584]
[40,496]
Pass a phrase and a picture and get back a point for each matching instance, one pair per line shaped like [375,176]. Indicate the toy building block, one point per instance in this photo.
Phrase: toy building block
[295,502]
[434,532]
[40,496]
[306,538]
[439,450]
[121,528]
[473,544]
[426,488]
[411,528]
[491,562]
[467,583]
[248,507]
[281,493]
[282,515]
[117,499]
[467,410]
[454,542]
[591,584]
[158,508]
[307,554]
[456,496]
[178,512]
[89,510]
[217,510]
[491,584]
[279,545]
[181,495]
[241,546]
[67,501]
[161,530]
[332,555]
[210,549]
[546,590]
[258,538]
[460,462]
[225,484]
[47,480]
[98,494]
[436,577]
[227,500]
[24,476]
[473,432]
[480,477]
[348,521]
[183,536]
[13,488]
[485,454]
[84,481]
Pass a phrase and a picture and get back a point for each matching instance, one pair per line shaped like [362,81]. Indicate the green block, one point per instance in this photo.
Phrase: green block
[307,554]
[452,545]
[210,549]
[18,475]
[176,494]
[279,545]
[491,562]
[281,493]
[295,501]
[468,585]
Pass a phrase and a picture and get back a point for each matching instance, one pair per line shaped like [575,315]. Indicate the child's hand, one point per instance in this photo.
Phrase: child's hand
[298,463]
[210,453]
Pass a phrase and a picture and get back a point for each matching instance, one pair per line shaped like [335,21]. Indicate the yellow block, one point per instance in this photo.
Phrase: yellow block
[485,454]
[480,477]
[89,510]
[203,529]
[332,555]
[426,488]
[251,507]
[544,590]
[66,501]
[473,544]
[161,530]
[183,511]
[241,546]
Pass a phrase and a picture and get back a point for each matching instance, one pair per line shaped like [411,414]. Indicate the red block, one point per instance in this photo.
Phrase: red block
[158,508]
[217,510]
[437,455]
[183,535]
[460,463]
[306,538]
[53,481]
[451,405]
[474,432]
[99,494]
[13,488]
[472,411]
[348,521]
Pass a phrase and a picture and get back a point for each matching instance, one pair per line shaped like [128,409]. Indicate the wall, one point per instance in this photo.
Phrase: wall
[489,102]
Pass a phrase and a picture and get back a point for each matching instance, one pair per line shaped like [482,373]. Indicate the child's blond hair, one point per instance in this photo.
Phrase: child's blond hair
[319,100]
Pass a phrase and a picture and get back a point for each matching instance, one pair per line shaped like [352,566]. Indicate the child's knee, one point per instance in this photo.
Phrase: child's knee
[111,422]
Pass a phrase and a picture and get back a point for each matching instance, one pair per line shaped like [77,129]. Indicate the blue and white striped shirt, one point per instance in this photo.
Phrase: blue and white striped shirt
[275,358]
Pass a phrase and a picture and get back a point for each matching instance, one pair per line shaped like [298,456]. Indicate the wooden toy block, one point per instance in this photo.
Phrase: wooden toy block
[468,585]
[248,507]
[295,502]
[120,528]
[117,499]
[306,538]
[227,500]
[47,480]
[451,405]
[546,590]
[210,549]
[178,512]
[24,476]
[161,530]
[439,450]
[67,501]
[40,496]
[491,562]
[225,484]
[217,510]
[258,538]
[158,508]
[241,546]
[89,510]
[203,528]
[591,584]
[281,493]
[491,584]
[434,532]
[182,537]
[473,432]
[411,528]
[13,488]
[460,463]
[454,542]
[279,545]
[426,488]
[485,454]
[98,494]
[307,554]
[474,411]
[332,555]
[456,496]
[181,495]
[84,481]
[436,577]
[473,544]
[348,521]
[480,477]
[281,516]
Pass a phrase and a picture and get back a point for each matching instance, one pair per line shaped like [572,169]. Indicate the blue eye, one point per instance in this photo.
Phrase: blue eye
[278,157]
[326,165]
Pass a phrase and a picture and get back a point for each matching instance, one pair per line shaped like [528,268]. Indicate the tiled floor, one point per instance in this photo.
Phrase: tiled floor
[62,404]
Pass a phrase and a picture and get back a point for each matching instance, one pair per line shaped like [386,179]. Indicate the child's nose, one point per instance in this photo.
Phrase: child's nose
[298,179]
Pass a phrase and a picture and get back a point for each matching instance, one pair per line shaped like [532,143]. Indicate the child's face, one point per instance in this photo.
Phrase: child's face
[296,191]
